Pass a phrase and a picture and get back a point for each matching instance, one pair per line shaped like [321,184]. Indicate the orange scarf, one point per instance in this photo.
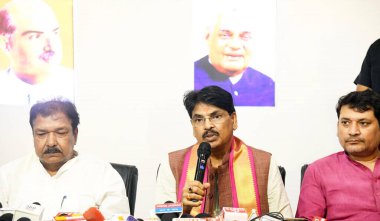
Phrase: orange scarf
[243,178]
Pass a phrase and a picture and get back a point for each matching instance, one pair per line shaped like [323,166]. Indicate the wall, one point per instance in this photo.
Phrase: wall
[134,61]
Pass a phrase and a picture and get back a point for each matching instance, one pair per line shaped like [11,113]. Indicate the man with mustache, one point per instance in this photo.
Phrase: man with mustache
[237,175]
[30,37]
[57,176]
[346,185]
[229,42]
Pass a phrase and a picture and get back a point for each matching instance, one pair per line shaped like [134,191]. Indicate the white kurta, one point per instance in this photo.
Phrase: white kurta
[80,183]
[14,91]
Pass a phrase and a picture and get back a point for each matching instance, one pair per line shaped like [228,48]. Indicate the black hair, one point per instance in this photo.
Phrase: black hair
[58,105]
[212,95]
[361,101]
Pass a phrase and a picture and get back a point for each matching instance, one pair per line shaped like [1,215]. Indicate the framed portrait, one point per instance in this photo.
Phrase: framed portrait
[234,48]
[37,53]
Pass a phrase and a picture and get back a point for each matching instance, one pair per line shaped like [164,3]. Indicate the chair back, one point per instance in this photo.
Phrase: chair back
[129,174]
[303,170]
[283,173]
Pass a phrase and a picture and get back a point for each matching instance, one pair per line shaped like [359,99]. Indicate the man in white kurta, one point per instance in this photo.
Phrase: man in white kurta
[56,176]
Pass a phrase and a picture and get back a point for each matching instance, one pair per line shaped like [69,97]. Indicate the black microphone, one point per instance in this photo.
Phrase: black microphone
[185,215]
[204,152]
[161,214]
[6,217]
[203,215]
[168,215]
[24,219]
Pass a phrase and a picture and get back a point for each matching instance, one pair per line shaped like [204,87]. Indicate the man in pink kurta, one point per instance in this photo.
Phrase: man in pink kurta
[346,185]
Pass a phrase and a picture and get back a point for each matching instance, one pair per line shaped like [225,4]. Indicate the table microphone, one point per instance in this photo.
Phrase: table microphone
[168,216]
[32,212]
[6,217]
[24,219]
[6,214]
[93,214]
[203,215]
[186,215]
[168,210]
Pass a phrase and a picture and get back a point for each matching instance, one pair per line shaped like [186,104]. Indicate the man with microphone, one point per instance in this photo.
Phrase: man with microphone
[56,175]
[235,174]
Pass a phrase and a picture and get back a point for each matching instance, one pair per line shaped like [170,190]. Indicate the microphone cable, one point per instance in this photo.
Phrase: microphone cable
[276,215]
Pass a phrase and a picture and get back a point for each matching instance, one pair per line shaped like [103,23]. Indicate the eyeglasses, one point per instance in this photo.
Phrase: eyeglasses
[199,121]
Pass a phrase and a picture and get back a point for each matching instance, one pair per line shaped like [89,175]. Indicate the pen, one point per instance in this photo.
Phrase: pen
[63,199]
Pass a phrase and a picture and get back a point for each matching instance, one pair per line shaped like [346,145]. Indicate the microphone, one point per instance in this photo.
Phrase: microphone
[234,214]
[185,215]
[204,152]
[29,212]
[6,217]
[4,211]
[168,210]
[24,219]
[93,214]
[203,215]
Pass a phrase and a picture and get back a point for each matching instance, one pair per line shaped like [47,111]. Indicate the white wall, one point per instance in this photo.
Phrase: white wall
[134,60]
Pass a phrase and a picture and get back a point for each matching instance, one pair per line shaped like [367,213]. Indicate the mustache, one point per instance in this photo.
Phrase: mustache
[52,150]
[46,55]
[354,140]
[209,132]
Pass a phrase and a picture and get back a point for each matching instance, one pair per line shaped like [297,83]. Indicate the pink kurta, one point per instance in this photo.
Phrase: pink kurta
[338,188]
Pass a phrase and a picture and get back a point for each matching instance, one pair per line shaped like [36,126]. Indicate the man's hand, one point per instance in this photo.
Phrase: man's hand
[192,195]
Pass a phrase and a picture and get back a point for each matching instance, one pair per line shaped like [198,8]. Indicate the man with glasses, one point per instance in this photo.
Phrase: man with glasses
[237,175]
